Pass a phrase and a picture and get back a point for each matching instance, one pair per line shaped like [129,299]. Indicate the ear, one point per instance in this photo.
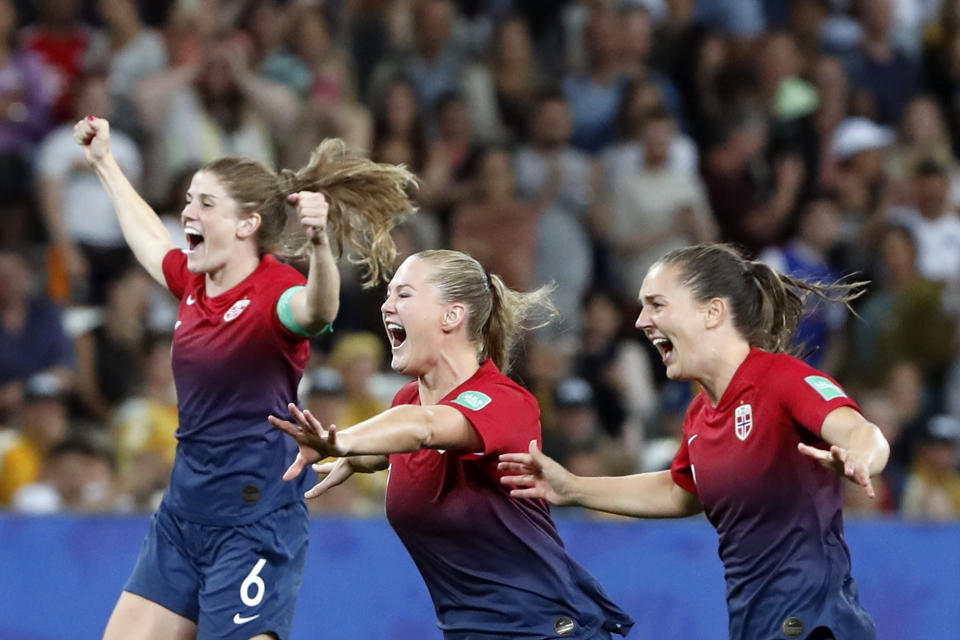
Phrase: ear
[715,313]
[453,317]
[249,225]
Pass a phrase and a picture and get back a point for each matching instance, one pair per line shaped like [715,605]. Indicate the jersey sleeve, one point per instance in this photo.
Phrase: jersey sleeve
[809,395]
[283,277]
[175,271]
[506,418]
[681,469]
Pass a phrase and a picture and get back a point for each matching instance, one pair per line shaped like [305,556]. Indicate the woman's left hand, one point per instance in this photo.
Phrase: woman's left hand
[844,462]
[312,210]
[314,441]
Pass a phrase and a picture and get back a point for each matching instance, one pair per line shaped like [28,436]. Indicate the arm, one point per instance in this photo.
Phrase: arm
[142,229]
[858,449]
[642,495]
[315,306]
[398,430]
[337,471]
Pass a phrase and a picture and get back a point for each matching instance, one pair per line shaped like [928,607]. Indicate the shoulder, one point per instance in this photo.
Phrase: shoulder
[407,394]
[277,274]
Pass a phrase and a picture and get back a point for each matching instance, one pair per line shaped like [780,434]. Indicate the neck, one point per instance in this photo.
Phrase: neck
[722,363]
[231,274]
[453,368]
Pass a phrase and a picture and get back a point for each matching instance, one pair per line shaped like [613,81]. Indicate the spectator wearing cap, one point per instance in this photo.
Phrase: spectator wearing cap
[933,487]
[357,357]
[323,393]
[43,423]
[576,425]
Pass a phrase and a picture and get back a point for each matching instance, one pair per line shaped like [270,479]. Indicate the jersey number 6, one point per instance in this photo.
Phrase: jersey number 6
[253,580]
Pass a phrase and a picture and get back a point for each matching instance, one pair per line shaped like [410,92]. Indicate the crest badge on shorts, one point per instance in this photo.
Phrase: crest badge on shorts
[743,421]
[236,309]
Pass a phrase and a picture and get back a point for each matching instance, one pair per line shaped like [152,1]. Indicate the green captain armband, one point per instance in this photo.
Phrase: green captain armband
[285,312]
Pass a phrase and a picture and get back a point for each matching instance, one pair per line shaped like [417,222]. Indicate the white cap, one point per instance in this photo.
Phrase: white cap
[854,135]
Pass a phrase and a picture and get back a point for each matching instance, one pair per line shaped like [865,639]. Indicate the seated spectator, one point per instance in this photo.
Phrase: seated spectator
[575,425]
[323,393]
[932,490]
[923,136]
[357,357]
[32,335]
[43,423]
[78,476]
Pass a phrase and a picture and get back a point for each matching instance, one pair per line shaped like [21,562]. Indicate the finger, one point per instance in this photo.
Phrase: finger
[521,458]
[324,467]
[293,198]
[513,468]
[839,453]
[526,480]
[287,427]
[868,487]
[817,454]
[315,424]
[295,469]
[526,493]
[301,417]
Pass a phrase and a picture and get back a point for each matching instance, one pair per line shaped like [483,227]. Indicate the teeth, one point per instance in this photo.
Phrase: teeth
[192,232]
[659,341]
[394,325]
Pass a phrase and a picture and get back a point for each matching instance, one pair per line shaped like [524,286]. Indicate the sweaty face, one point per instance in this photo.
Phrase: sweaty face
[412,316]
[672,320]
[210,223]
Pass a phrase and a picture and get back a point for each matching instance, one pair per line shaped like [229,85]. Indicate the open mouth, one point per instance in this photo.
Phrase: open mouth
[194,239]
[664,346]
[397,334]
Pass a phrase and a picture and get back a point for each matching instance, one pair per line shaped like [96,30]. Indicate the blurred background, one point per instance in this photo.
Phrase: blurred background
[566,141]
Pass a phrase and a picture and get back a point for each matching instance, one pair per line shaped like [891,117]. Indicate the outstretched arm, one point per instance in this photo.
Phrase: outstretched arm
[642,495]
[858,449]
[315,306]
[397,430]
[145,234]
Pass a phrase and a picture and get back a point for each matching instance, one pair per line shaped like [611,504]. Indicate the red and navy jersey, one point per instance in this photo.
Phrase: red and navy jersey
[492,564]
[234,363]
[778,513]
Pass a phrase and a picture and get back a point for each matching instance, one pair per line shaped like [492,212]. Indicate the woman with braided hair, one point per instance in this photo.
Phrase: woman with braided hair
[225,551]
[765,445]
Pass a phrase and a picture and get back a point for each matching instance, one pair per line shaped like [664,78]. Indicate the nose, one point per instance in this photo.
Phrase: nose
[643,320]
[387,304]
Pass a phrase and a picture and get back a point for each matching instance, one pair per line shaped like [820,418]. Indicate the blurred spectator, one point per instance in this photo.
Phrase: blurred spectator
[109,356]
[549,170]
[750,212]
[26,97]
[144,428]
[934,223]
[435,65]
[32,336]
[594,96]
[357,357]
[618,368]
[502,97]
[66,45]
[43,423]
[323,394]
[923,136]
[634,33]
[136,51]
[933,487]
[806,256]
[900,302]
[575,425]
[215,106]
[78,214]
[655,208]
[443,181]
[884,77]
[941,58]
[398,135]
[78,475]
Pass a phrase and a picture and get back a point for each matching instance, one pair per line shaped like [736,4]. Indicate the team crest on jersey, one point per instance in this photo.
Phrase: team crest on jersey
[743,421]
[236,309]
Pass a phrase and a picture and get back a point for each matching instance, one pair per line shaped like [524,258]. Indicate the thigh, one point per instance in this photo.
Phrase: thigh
[136,618]
[252,584]
[166,571]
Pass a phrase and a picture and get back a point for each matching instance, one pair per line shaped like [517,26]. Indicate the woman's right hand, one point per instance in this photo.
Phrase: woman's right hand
[536,475]
[336,472]
[93,134]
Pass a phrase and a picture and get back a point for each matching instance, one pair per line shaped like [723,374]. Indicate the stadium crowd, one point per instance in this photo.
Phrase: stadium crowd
[571,142]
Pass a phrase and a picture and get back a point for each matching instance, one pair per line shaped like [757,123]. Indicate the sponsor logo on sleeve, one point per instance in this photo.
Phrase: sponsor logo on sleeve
[743,421]
[825,387]
[473,400]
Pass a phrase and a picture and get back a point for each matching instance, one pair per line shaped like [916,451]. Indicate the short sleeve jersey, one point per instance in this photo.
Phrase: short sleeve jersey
[778,513]
[492,564]
[234,364]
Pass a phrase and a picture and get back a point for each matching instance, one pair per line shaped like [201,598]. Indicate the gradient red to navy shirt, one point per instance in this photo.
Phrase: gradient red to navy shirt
[493,564]
[778,513]
[234,364]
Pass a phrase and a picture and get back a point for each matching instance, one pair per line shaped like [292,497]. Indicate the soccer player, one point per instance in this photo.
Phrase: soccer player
[495,567]
[765,444]
[224,554]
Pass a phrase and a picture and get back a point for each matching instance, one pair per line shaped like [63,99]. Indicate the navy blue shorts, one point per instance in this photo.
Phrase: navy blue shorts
[234,582]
